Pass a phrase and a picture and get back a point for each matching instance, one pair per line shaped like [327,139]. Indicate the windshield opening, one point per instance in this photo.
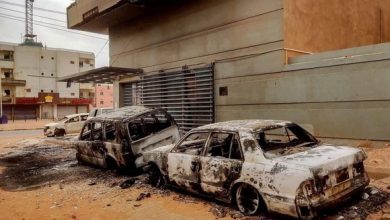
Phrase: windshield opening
[284,140]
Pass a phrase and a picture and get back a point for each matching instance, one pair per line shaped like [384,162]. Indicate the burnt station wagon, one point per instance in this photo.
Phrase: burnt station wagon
[260,165]
[119,139]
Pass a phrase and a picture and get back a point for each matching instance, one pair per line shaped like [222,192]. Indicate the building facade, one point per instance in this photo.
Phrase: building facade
[323,64]
[103,95]
[29,86]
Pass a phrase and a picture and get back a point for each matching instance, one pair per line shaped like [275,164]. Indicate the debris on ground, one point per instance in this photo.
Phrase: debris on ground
[219,211]
[127,183]
[143,196]
[185,199]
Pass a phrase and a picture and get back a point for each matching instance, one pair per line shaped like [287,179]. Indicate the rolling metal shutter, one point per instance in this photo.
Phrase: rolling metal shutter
[63,111]
[128,94]
[187,94]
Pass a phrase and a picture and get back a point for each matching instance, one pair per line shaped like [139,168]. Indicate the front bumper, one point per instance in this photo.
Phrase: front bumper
[319,203]
[48,132]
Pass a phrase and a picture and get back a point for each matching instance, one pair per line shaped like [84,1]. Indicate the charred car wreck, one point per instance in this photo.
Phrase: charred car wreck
[260,165]
[118,139]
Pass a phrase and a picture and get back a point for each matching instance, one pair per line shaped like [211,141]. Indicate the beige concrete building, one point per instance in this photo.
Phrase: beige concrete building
[29,85]
[323,64]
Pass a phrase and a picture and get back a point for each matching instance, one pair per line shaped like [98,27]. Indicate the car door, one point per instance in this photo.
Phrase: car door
[112,143]
[221,164]
[184,161]
[72,124]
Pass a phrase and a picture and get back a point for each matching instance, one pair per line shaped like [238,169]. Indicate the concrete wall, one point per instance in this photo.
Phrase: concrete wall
[332,97]
[199,32]
[324,25]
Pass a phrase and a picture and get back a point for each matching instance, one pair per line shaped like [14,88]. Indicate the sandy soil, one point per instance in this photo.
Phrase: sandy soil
[41,181]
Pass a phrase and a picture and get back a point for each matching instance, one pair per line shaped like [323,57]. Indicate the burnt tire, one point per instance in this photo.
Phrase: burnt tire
[59,132]
[155,178]
[248,200]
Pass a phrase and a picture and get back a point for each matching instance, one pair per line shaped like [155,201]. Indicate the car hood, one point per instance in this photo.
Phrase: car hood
[163,149]
[325,158]
[53,124]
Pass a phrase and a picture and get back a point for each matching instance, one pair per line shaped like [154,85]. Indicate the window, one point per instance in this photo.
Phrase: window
[193,144]
[81,95]
[74,119]
[148,124]
[84,117]
[101,93]
[86,133]
[7,93]
[8,75]
[110,132]
[28,90]
[71,62]
[7,57]
[72,94]
[97,132]
[284,140]
[102,102]
[223,91]
[224,145]
[42,74]
[81,63]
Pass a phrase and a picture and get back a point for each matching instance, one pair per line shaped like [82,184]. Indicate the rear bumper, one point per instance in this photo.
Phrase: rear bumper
[320,204]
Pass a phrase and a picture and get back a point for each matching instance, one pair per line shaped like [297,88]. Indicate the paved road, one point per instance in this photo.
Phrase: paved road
[20,133]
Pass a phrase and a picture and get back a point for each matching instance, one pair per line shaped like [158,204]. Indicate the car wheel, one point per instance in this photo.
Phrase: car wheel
[155,178]
[59,132]
[248,199]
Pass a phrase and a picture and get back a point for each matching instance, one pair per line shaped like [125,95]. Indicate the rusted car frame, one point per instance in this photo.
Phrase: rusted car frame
[119,139]
[248,163]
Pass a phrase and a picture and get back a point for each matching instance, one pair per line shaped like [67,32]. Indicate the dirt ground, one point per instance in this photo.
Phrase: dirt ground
[41,181]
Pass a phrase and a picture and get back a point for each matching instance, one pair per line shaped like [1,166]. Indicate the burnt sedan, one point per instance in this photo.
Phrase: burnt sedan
[119,139]
[260,165]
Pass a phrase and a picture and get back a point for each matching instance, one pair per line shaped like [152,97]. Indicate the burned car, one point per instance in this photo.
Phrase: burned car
[260,165]
[119,139]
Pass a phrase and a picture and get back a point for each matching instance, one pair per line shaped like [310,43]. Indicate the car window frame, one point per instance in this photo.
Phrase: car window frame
[82,131]
[173,150]
[104,124]
[153,114]
[236,134]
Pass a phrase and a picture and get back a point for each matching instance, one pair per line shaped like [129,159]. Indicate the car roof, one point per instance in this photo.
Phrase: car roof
[123,113]
[244,125]
[74,115]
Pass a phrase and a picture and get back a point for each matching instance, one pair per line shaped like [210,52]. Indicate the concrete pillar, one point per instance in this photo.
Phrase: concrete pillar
[40,112]
[55,116]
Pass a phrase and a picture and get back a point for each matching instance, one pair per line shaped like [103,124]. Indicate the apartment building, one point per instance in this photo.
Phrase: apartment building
[323,63]
[104,95]
[29,81]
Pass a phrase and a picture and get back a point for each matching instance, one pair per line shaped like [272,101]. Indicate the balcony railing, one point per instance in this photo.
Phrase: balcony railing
[12,82]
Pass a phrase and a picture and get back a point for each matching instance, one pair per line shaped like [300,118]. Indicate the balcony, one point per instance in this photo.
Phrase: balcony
[7,63]
[97,15]
[7,99]
[12,82]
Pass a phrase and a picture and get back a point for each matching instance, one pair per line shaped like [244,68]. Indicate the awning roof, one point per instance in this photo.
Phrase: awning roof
[101,75]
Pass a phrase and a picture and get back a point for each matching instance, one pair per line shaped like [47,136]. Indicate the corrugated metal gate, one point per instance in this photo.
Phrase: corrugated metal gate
[128,92]
[187,94]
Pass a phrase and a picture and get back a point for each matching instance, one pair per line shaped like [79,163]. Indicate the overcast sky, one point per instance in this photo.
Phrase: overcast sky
[11,30]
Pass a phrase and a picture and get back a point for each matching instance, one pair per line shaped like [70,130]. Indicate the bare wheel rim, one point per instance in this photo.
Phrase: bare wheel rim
[247,199]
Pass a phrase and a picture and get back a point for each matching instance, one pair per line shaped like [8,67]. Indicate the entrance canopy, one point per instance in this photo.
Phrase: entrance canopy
[101,75]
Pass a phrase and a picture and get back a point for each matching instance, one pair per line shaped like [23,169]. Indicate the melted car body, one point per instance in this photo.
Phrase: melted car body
[276,165]
[118,139]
